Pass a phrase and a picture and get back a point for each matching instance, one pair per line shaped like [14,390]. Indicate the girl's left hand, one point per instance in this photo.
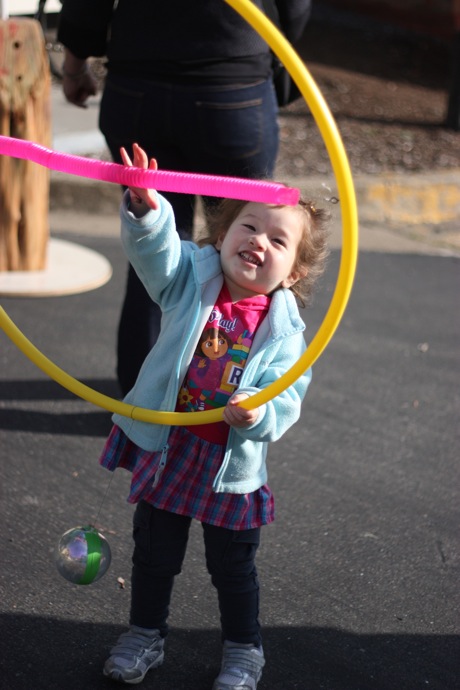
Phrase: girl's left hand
[238,416]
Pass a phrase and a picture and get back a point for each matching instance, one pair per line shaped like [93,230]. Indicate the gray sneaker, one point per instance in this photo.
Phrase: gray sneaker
[241,667]
[136,652]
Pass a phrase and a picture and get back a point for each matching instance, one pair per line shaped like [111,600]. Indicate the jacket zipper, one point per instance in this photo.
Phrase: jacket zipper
[161,466]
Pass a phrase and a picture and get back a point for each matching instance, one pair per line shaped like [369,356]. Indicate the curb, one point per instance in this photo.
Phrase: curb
[413,199]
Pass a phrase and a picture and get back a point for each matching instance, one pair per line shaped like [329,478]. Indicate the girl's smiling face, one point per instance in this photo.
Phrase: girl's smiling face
[259,250]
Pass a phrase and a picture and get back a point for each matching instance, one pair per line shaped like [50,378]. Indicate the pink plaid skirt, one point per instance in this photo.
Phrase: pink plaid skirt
[184,484]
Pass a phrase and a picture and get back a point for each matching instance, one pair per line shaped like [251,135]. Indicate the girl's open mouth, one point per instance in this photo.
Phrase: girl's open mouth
[250,258]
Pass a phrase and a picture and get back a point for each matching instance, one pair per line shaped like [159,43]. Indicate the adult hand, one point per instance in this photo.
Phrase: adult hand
[78,82]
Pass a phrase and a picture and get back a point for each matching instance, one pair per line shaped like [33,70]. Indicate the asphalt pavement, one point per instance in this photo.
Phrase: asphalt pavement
[359,572]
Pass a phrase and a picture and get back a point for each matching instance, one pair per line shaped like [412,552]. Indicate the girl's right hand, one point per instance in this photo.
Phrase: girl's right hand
[139,195]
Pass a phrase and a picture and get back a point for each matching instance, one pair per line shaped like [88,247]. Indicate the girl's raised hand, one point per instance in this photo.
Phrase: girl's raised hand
[139,195]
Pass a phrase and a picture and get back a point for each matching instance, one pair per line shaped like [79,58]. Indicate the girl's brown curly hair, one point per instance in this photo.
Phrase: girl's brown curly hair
[312,251]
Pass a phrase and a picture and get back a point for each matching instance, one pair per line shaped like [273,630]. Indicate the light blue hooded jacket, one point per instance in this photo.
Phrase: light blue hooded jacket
[185,281]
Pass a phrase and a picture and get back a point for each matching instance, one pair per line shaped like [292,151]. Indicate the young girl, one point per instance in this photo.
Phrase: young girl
[230,327]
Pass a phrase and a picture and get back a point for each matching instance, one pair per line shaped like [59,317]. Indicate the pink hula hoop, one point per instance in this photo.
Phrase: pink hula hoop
[161,180]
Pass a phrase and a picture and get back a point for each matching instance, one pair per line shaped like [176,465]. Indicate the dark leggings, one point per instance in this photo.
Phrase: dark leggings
[160,540]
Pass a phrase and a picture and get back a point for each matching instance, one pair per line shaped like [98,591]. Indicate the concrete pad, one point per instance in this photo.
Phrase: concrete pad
[70,269]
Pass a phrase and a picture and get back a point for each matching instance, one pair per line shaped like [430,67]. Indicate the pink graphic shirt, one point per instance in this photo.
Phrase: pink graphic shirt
[221,354]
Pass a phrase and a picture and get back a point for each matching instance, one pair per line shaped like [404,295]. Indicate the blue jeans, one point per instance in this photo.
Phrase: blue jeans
[160,540]
[228,129]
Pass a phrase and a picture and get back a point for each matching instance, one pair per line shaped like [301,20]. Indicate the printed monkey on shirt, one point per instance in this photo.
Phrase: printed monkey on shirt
[221,354]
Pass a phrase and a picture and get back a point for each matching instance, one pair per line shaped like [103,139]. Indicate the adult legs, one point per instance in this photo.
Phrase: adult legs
[120,121]
[214,129]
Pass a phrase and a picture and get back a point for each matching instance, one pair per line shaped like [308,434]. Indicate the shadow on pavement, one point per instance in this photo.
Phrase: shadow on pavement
[49,390]
[75,424]
[91,422]
[47,653]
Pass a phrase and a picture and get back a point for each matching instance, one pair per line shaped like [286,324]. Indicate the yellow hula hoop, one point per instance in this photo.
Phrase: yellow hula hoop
[339,161]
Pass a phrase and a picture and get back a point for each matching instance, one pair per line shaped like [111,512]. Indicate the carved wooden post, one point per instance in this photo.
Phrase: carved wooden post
[25,113]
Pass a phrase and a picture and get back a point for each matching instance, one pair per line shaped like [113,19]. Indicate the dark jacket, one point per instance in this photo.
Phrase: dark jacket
[174,39]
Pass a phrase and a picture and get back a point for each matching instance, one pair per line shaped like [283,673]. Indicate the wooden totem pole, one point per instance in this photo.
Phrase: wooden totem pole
[25,113]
